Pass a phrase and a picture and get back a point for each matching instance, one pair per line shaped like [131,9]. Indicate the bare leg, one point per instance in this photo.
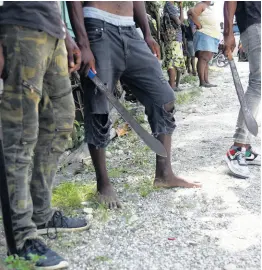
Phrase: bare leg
[164,175]
[106,194]
[178,76]
[201,64]
[188,65]
[193,64]
[206,74]
[172,77]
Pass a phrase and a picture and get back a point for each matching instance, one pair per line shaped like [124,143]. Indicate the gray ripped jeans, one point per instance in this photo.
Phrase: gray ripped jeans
[251,40]
[120,52]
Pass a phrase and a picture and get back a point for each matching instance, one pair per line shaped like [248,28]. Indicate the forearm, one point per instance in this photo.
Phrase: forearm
[175,19]
[181,15]
[141,18]
[229,12]
[75,12]
[193,16]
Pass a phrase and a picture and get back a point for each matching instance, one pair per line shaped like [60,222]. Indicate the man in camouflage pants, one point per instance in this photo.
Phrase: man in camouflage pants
[37,113]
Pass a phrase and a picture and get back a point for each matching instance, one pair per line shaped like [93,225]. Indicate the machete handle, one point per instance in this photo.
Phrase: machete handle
[91,74]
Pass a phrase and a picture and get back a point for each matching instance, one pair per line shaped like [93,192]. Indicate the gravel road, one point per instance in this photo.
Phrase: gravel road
[216,227]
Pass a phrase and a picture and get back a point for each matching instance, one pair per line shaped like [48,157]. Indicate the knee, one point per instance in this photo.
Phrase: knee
[97,128]
[169,107]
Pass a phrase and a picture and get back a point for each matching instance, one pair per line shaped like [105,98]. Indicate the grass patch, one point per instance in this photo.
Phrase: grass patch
[188,79]
[18,263]
[116,172]
[186,97]
[145,188]
[140,118]
[69,196]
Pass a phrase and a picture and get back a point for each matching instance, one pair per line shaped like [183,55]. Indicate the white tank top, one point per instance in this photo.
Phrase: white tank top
[210,23]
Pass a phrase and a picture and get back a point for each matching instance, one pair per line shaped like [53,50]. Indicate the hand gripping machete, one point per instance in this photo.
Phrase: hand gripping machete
[250,121]
[148,139]
[4,194]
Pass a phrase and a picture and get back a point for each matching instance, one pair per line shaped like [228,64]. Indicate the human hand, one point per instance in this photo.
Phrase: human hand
[154,47]
[180,4]
[88,61]
[229,44]
[73,54]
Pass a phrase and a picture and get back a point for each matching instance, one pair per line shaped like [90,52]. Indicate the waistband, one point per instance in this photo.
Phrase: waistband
[117,20]
[91,23]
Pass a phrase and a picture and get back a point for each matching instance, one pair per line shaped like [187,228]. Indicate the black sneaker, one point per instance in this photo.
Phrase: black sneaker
[61,223]
[49,260]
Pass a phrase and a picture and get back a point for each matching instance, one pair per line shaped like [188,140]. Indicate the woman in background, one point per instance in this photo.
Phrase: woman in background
[206,38]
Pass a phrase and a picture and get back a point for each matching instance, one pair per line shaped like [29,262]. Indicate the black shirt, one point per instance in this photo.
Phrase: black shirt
[248,13]
[40,15]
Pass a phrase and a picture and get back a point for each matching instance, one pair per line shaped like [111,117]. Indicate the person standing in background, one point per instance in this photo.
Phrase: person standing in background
[190,29]
[206,38]
[174,60]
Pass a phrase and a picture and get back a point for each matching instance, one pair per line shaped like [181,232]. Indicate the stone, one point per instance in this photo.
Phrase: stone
[88,210]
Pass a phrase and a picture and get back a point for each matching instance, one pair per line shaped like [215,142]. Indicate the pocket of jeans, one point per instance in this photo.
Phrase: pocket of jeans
[135,35]
[95,35]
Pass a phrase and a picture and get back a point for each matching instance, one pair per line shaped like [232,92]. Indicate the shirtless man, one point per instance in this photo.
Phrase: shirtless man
[112,48]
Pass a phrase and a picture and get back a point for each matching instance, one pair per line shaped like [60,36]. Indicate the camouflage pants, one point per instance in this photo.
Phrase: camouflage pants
[37,114]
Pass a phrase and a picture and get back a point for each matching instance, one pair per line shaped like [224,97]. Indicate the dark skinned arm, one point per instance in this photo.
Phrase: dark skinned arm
[140,18]
[229,38]
[75,11]
[195,12]
[181,18]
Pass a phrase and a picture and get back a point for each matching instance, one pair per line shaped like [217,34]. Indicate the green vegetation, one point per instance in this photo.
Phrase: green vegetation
[185,97]
[68,196]
[18,263]
[145,188]
[188,79]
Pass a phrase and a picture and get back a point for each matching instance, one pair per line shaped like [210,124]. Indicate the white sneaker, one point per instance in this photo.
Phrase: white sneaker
[236,162]
[252,158]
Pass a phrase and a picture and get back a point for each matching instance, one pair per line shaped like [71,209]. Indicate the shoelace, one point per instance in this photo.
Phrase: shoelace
[54,221]
[241,157]
[36,245]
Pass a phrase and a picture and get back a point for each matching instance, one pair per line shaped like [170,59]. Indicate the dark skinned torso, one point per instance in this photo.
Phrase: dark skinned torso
[122,8]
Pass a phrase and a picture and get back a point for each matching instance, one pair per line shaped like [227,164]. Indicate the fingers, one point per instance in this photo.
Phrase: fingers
[87,66]
[75,64]
[70,57]
[158,53]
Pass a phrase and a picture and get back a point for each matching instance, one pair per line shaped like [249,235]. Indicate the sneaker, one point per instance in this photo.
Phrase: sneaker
[61,223]
[252,158]
[236,162]
[49,260]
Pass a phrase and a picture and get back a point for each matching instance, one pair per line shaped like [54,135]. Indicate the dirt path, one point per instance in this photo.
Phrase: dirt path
[217,227]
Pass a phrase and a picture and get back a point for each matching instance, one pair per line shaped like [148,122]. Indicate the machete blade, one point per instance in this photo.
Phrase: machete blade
[250,121]
[148,139]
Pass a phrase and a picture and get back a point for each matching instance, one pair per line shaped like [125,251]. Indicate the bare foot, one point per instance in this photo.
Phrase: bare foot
[107,196]
[173,182]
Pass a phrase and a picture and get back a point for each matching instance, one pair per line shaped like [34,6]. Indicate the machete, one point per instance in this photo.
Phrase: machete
[250,121]
[149,140]
[4,194]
